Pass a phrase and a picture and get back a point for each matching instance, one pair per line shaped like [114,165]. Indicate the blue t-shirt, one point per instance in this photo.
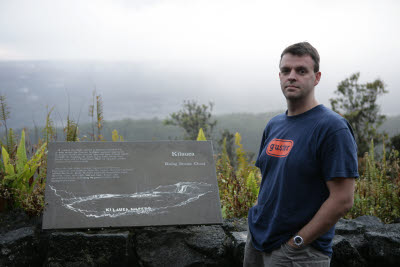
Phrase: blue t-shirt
[298,154]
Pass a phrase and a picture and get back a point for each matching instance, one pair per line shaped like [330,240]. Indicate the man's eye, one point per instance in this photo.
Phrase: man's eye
[302,71]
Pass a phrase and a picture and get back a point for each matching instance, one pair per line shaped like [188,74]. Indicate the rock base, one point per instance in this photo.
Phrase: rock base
[365,241]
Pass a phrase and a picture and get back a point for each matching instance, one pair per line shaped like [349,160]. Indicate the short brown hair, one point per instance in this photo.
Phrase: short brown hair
[302,49]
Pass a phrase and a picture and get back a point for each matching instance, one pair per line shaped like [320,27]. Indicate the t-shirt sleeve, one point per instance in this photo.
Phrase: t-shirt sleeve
[338,154]
[257,164]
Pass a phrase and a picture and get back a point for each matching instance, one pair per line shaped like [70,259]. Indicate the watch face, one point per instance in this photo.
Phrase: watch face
[298,240]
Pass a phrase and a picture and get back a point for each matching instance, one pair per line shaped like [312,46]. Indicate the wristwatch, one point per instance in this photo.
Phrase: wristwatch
[298,241]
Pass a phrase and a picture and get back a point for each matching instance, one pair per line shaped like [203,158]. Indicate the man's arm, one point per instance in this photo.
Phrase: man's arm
[339,202]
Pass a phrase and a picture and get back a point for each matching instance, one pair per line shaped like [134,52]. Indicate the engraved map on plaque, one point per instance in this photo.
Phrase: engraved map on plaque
[121,184]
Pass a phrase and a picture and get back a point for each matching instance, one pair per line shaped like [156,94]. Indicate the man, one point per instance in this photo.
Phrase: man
[308,162]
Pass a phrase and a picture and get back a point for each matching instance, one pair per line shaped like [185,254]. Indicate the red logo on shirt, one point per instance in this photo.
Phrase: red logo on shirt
[279,147]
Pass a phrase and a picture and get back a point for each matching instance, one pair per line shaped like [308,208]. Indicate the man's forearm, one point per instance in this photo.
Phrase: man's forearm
[326,217]
[336,206]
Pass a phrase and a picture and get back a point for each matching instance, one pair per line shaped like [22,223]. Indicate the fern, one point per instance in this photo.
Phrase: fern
[12,143]
[8,167]
[21,154]
[19,174]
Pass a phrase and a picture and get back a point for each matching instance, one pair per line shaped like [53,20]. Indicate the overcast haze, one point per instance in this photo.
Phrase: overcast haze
[227,49]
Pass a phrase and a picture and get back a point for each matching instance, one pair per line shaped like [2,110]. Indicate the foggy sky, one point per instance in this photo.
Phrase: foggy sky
[234,45]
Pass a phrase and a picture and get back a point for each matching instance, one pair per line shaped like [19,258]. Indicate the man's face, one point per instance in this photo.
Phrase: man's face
[297,76]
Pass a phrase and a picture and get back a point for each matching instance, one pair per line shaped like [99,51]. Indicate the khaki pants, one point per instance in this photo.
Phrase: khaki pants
[285,256]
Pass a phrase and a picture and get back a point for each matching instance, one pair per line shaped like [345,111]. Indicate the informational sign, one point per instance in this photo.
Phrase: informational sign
[122,184]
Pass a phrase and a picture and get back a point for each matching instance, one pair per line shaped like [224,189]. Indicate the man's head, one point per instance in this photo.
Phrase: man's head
[299,72]
[303,49]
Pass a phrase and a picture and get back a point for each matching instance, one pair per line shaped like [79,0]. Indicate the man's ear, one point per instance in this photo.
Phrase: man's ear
[317,78]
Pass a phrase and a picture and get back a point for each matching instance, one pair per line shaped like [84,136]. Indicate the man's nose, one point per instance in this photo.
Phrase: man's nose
[292,75]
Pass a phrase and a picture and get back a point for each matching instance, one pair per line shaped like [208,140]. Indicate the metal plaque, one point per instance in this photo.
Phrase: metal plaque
[122,184]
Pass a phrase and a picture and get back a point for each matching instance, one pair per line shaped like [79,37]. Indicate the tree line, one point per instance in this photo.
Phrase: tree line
[24,163]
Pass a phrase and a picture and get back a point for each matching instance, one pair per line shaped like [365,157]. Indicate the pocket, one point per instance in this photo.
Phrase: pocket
[292,249]
[318,253]
[322,263]
[306,256]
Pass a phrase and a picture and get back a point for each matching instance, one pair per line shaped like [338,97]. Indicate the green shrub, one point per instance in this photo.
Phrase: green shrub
[395,141]
[23,178]
[238,188]
[378,188]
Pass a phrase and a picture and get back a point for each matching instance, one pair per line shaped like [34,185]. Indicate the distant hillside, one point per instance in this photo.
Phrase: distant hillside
[391,125]
[250,126]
